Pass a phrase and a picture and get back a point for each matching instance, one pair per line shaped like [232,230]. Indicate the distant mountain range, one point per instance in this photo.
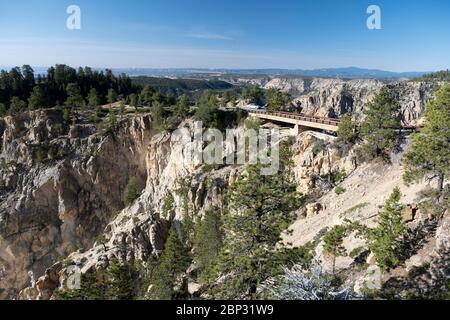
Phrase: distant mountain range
[347,73]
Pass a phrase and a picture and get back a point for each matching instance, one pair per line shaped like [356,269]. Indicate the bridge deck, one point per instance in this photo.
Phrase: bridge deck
[302,120]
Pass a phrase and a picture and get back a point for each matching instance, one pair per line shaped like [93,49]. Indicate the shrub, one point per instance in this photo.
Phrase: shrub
[298,283]
[339,190]
[168,205]
[130,194]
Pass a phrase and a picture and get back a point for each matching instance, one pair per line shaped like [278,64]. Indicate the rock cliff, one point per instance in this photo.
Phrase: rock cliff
[62,185]
[335,97]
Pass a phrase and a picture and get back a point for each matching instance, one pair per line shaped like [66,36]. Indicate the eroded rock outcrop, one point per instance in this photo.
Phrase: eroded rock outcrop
[336,97]
[54,203]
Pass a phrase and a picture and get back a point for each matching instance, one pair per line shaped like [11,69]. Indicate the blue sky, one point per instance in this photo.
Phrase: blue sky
[415,35]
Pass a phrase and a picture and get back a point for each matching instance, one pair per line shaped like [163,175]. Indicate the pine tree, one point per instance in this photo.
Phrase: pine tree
[276,99]
[74,98]
[16,106]
[3,110]
[172,263]
[347,130]
[385,241]
[168,206]
[379,130]
[157,113]
[146,96]
[91,289]
[37,99]
[261,207]
[429,155]
[133,100]
[182,106]
[208,110]
[112,96]
[67,115]
[119,281]
[93,98]
[207,241]
[333,242]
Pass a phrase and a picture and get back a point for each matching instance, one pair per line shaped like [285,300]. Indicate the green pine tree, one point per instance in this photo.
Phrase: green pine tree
[133,100]
[168,206]
[260,208]
[93,98]
[111,96]
[207,241]
[91,288]
[17,105]
[379,130]
[172,263]
[3,110]
[276,100]
[181,109]
[157,113]
[74,98]
[429,155]
[37,98]
[385,240]
[146,95]
[119,281]
[347,130]
[208,110]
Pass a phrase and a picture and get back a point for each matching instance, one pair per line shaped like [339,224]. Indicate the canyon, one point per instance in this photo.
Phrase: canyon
[62,190]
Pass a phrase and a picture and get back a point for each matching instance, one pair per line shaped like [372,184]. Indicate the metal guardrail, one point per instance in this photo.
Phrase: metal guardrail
[317,119]
[301,117]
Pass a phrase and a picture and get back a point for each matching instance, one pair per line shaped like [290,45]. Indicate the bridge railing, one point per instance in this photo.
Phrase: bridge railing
[301,117]
[321,120]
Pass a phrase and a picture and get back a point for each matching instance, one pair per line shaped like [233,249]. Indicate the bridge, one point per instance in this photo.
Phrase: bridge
[301,121]
[304,122]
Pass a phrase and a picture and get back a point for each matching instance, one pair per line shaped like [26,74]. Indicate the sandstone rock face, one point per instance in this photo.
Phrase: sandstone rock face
[58,207]
[54,205]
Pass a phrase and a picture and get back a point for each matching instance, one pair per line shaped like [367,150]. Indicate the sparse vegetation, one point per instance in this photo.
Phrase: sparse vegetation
[339,190]
[357,207]
[168,206]
[130,193]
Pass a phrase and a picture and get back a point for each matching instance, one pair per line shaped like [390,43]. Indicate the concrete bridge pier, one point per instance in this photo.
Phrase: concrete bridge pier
[297,130]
